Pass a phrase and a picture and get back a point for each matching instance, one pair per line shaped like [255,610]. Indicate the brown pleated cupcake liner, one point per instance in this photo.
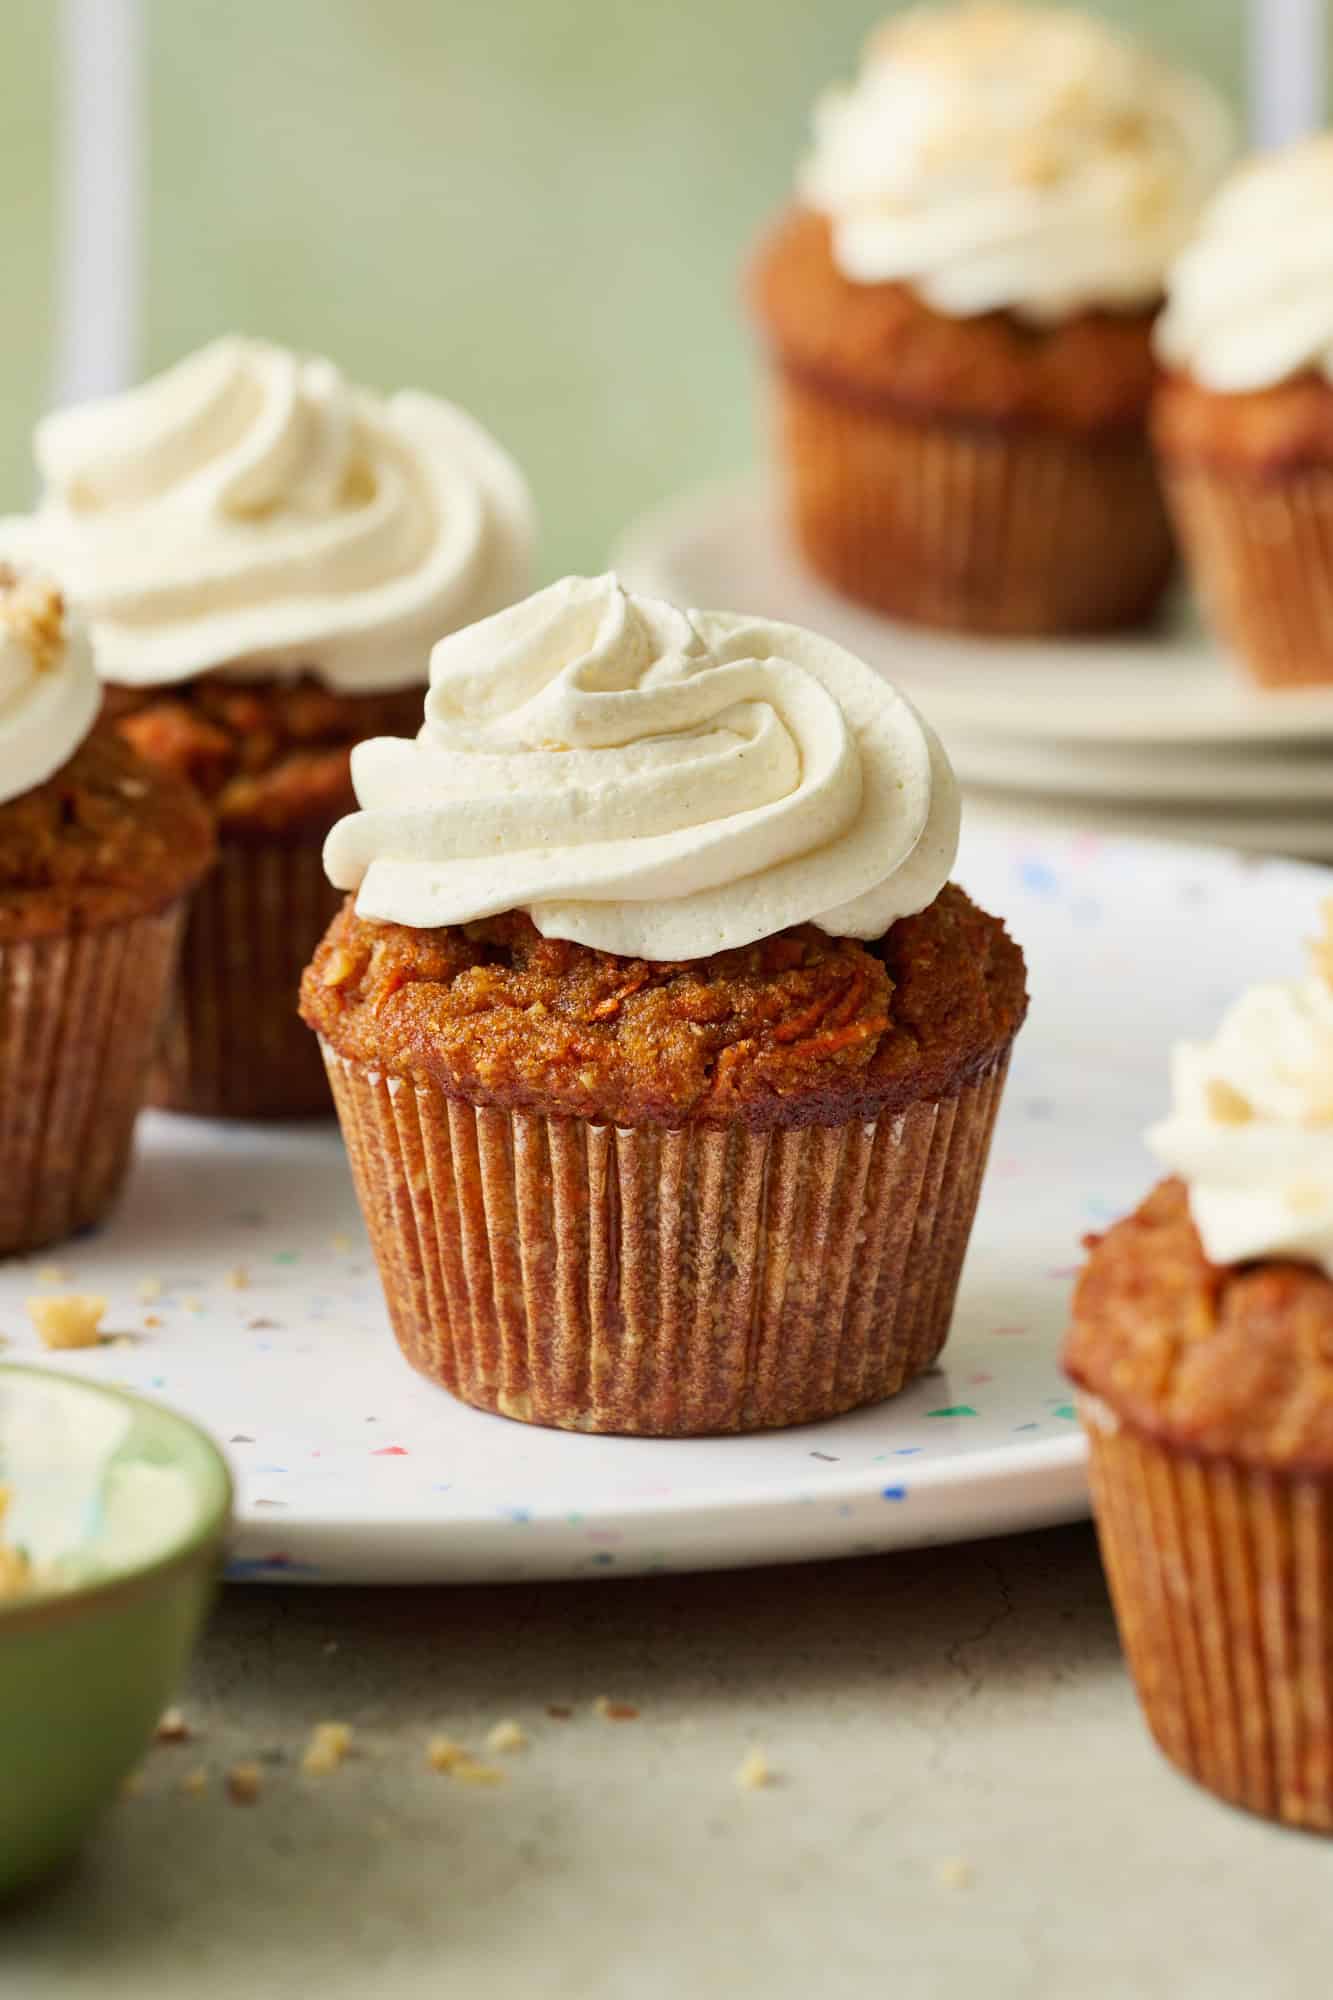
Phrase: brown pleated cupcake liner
[1261,553]
[235,1046]
[1003,530]
[79,1020]
[664,1283]
[1221,1577]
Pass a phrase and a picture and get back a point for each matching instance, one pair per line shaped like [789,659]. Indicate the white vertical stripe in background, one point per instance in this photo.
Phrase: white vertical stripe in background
[1287,69]
[102,145]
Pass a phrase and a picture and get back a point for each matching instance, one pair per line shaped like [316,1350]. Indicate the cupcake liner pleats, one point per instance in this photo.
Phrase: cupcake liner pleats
[987,529]
[79,1019]
[235,1046]
[1261,552]
[660,1282]
[1220,1577]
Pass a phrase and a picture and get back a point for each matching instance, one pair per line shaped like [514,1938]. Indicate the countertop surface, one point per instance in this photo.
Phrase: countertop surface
[963,1801]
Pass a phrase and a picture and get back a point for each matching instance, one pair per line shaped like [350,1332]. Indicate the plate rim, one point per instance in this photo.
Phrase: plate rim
[642,550]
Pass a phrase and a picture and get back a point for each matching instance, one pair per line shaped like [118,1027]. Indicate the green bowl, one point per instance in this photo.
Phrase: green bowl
[122,1507]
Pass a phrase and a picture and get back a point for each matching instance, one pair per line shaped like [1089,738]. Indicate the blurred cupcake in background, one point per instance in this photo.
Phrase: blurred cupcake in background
[1244,421]
[959,314]
[666,1054]
[99,851]
[1202,1343]
[266,555]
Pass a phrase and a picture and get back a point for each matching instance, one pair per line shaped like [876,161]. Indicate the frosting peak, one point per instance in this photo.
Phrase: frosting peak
[1251,1126]
[49,695]
[249,509]
[650,782]
[1250,300]
[999,156]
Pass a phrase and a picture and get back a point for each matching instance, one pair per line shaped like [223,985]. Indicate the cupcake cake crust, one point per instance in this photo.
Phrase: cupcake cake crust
[273,758]
[799,1029]
[107,838]
[882,345]
[1228,1361]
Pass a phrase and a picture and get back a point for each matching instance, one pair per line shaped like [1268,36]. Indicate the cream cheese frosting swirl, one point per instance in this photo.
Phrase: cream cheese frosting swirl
[250,510]
[49,692]
[1250,299]
[650,782]
[1251,1124]
[1006,157]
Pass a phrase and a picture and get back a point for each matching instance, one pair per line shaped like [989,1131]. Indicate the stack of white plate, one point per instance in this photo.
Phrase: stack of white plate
[1153,733]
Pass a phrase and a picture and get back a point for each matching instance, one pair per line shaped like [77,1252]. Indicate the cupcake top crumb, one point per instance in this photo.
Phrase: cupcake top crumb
[48,684]
[106,838]
[1231,1361]
[798,1029]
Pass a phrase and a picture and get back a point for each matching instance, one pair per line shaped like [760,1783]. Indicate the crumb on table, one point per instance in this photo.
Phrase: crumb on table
[507,1736]
[615,1711]
[244,1784]
[68,1319]
[442,1753]
[754,1771]
[953,1873]
[329,1744]
[468,1771]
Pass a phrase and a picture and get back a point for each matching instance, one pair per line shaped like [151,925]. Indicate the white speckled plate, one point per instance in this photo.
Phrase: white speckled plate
[351,1469]
[1172,685]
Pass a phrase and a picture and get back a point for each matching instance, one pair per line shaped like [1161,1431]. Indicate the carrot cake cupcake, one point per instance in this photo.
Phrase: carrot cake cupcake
[1244,421]
[266,555]
[666,1056]
[98,853]
[959,311]
[1202,1344]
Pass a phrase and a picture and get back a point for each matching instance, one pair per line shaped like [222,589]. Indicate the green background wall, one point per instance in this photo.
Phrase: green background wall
[535,206]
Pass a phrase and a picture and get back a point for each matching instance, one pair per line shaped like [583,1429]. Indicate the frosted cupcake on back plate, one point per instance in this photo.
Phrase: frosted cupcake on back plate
[1244,422]
[959,309]
[266,554]
[665,1052]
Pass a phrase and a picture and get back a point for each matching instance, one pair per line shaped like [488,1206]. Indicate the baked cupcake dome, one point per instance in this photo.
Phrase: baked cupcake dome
[615,1182]
[266,554]
[959,314]
[1201,1343]
[98,854]
[1244,420]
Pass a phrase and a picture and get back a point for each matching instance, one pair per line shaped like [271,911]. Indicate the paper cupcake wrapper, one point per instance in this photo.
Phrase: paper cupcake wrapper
[79,1019]
[1001,530]
[1221,1579]
[235,1046]
[659,1282]
[1261,552]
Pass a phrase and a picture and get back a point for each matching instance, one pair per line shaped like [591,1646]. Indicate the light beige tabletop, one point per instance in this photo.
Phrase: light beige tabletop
[963,1803]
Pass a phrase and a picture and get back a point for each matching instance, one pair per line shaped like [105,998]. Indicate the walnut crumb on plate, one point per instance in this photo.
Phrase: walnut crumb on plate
[68,1320]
